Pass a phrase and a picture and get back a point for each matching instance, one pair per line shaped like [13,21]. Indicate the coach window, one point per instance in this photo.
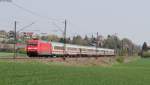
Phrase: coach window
[90,50]
[103,51]
[58,48]
[83,49]
[72,49]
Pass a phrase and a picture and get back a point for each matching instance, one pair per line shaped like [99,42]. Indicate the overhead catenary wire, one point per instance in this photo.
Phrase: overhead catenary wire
[26,26]
[34,13]
[59,28]
[39,15]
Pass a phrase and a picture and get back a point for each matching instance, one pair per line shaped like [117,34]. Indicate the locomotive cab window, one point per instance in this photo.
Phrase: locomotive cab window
[32,44]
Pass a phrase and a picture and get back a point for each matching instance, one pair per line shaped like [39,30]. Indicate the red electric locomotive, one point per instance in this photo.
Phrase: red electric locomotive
[37,47]
[41,48]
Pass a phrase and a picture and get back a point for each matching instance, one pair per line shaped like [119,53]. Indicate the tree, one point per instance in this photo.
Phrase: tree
[68,40]
[53,38]
[44,38]
[77,40]
[11,34]
[86,40]
[128,46]
[112,42]
[145,52]
[144,47]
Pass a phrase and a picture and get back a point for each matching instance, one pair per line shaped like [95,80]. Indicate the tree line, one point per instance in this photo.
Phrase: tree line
[122,47]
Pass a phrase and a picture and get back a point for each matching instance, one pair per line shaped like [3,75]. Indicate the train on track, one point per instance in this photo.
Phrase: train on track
[39,48]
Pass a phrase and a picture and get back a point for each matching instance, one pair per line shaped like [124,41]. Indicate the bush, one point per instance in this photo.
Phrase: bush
[120,59]
[21,50]
[6,50]
[146,54]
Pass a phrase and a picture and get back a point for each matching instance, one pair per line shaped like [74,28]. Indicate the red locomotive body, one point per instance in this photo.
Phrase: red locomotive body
[37,47]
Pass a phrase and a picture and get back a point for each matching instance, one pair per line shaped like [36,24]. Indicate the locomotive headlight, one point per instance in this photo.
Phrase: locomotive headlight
[35,48]
[28,48]
[32,48]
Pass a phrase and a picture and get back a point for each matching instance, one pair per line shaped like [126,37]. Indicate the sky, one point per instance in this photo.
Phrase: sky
[126,18]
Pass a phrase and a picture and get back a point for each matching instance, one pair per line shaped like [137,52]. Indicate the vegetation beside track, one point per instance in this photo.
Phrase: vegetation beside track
[36,73]
[10,54]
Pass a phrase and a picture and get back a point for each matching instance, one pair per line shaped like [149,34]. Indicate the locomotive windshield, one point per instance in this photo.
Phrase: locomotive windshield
[32,44]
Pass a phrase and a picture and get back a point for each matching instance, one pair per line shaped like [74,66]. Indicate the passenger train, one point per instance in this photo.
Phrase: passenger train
[37,48]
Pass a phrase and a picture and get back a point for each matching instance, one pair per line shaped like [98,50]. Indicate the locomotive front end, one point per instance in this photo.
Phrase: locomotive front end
[32,48]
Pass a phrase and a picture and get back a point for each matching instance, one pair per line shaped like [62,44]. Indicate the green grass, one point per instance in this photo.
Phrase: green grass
[10,55]
[34,73]
[5,54]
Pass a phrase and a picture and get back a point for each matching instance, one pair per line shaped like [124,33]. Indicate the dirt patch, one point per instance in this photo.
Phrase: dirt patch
[103,61]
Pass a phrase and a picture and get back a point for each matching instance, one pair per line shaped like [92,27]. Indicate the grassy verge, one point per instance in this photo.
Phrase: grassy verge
[35,73]
[10,55]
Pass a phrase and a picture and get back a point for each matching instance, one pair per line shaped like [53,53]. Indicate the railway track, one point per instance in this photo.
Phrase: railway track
[59,59]
[67,60]
[35,59]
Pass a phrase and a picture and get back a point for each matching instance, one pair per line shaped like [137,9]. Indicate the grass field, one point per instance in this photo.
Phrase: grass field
[4,54]
[36,73]
[8,55]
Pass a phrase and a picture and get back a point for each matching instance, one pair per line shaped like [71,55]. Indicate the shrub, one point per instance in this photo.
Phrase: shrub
[21,50]
[146,54]
[120,59]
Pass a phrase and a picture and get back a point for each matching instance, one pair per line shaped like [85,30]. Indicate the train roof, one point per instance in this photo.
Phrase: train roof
[78,46]
[71,45]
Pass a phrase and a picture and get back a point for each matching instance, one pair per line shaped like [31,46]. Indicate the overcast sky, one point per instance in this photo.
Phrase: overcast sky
[127,18]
